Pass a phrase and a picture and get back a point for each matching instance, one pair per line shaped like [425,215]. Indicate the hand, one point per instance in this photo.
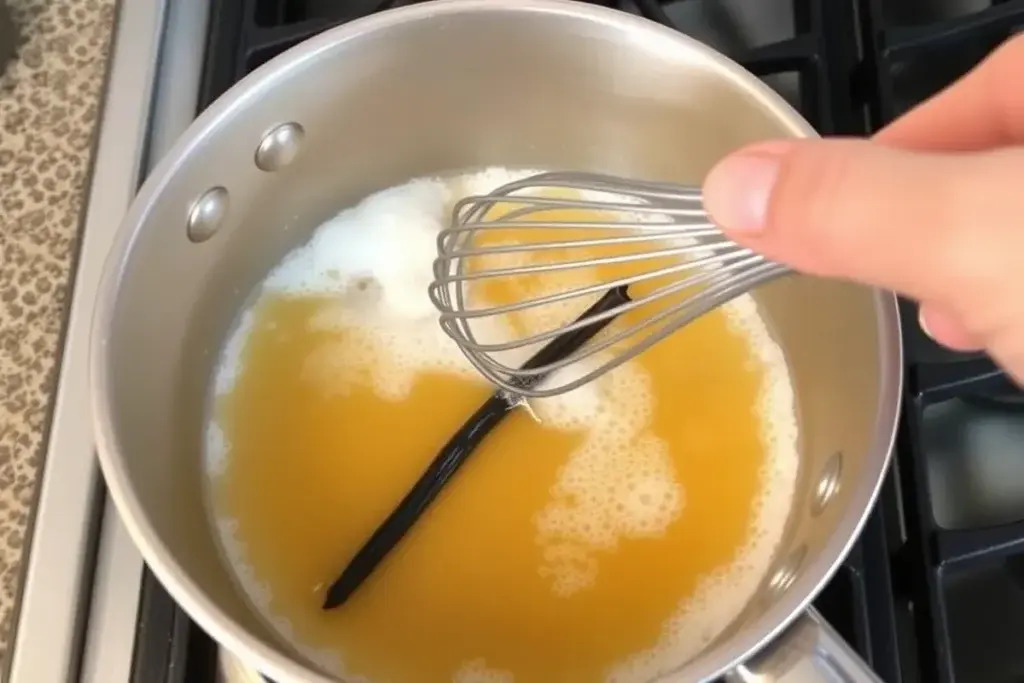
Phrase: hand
[931,207]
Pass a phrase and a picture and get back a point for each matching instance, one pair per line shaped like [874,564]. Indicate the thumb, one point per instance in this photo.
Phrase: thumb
[941,228]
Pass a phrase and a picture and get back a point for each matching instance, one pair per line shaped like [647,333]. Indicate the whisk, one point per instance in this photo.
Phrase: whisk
[659,220]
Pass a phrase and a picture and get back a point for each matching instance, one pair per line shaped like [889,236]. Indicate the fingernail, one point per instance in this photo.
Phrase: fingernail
[923,324]
[738,189]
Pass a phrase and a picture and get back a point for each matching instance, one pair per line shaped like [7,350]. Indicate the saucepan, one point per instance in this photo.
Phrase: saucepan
[421,90]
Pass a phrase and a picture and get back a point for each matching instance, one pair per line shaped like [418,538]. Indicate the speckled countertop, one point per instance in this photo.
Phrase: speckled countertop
[49,101]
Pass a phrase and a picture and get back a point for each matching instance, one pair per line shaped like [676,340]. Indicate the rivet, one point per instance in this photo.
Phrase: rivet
[279,147]
[828,483]
[207,214]
[786,574]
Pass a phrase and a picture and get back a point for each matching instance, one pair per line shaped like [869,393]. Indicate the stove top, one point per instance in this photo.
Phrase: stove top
[933,590]
[919,595]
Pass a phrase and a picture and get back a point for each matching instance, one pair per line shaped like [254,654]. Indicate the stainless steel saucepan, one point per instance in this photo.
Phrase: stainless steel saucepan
[554,84]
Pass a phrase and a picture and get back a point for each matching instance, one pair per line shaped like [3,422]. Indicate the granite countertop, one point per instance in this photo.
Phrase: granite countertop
[49,101]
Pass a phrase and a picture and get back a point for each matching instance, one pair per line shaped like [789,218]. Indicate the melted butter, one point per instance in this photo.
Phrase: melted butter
[319,457]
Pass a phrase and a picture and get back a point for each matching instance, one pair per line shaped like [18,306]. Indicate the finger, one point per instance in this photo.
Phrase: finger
[946,328]
[930,226]
[982,110]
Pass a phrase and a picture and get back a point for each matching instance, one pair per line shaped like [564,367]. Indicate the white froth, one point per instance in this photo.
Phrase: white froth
[375,261]
[477,671]
[215,455]
[722,596]
[383,239]
[230,364]
[620,483]
[376,258]
[380,355]
[487,180]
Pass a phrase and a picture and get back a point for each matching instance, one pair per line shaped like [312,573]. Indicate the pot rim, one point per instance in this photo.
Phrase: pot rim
[207,614]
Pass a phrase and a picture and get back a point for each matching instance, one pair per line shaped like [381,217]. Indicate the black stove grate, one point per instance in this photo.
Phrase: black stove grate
[919,602]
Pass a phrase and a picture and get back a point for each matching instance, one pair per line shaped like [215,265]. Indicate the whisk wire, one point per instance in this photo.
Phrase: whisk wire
[505,376]
[709,270]
[685,314]
[731,260]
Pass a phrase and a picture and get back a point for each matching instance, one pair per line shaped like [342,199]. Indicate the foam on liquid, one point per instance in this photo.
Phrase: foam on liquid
[619,483]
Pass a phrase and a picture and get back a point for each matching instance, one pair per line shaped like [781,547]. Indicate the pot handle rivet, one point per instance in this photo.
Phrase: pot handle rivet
[207,214]
[279,147]
[828,483]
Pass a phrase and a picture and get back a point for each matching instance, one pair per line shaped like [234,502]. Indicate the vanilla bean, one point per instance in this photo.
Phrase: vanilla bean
[456,452]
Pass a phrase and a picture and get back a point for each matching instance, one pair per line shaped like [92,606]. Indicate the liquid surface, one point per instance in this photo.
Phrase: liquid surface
[611,540]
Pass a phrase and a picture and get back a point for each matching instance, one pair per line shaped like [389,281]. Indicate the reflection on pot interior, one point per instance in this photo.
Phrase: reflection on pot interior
[609,536]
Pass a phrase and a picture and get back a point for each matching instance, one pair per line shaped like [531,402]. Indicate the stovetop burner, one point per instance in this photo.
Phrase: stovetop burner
[934,589]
